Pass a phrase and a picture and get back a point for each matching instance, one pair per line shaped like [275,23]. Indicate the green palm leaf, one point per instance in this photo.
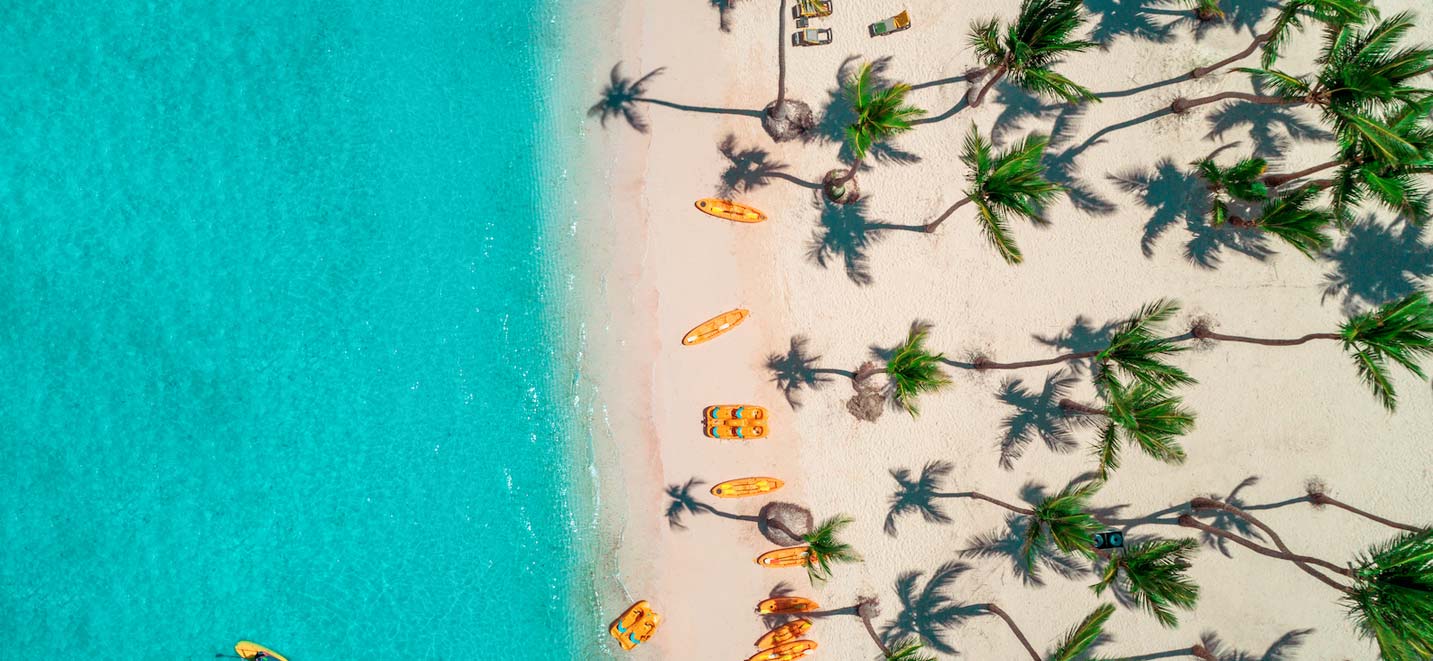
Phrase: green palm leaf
[1153,575]
[913,370]
[826,548]
[1290,218]
[1392,601]
[1064,518]
[1011,181]
[907,649]
[1084,635]
[1329,12]
[1138,349]
[880,113]
[1401,332]
[1039,39]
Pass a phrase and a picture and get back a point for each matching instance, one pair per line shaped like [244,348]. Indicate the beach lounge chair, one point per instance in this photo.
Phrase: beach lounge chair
[811,37]
[901,21]
[811,8]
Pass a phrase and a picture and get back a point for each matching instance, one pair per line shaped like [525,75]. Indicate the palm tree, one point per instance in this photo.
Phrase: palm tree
[1291,17]
[1010,181]
[1152,574]
[1143,415]
[1361,74]
[785,118]
[1073,644]
[1400,331]
[906,649]
[825,548]
[620,98]
[1392,181]
[914,370]
[1388,590]
[1027,50]
[1240,181]
[1135,349]
[880,114]
[1292,219]
[1206,10]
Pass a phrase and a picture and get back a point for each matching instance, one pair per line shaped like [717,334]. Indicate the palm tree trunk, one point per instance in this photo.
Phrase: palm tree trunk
[780,57]
[930,227]
[871,630]
[1182,105]
[1323,499]
[850,174]
[980,496]
[994,78]
[1013,628]
[1072,405]
[1206,334]
[987,364]
[1276,180]
[1211,504]
[1200,72]
[774,523]
[1301,561]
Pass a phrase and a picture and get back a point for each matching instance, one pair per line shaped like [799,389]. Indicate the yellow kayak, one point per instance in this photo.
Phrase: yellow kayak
[785,651]
[251,650]
[785,606]
[729,210]
[785,633]
[715,326]
[746,486]
[793,556]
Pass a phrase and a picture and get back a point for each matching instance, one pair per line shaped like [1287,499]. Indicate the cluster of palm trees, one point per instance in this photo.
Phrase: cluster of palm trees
[1388,590]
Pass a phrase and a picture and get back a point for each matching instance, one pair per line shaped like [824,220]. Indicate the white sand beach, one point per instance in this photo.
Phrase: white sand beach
[1269,417]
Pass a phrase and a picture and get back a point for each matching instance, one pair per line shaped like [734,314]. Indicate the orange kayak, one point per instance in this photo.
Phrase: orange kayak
[252,650]
[746,486]
[730,210]
[792,556]
[715,326]
[785,651]
[635,625]
[784,634]
[730,432]
[785,606]
[738,413]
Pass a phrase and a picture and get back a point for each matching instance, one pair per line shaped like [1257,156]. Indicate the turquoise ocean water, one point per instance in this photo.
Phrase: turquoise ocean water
[282,338]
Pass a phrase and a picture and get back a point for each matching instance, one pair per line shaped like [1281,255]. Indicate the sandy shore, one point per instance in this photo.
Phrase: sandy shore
[1124,238]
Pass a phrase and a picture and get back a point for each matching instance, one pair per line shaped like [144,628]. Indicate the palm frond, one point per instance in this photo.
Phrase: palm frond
[1392,602]
[913,370]
[1138,350]
[1292,219]
[1082,636]
[826,548]
[1153,575]
[1400,331]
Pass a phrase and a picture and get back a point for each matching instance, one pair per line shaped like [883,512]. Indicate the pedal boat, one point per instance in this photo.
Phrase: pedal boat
[635,625]
[726,412]
[735,432]
[711,328]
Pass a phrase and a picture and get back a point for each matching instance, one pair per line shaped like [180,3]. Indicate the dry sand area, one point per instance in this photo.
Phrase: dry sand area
[849,285]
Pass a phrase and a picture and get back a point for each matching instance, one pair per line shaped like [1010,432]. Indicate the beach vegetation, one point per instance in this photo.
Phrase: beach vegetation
[1142,415]
[1152,575]
[1005,183]
[1026,51]
[914,370]
[1292,16]
[826,548]
[881,113]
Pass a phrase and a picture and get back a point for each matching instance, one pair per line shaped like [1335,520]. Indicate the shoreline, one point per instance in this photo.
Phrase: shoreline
[1282,416]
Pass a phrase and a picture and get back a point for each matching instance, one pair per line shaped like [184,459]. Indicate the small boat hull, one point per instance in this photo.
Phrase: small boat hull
[714,327]
[251,650]
[786,606]
[785,651]
[735,432]
[635,625]
[728,210]
[734,413]
[746,487]
[794,556]
[785,633]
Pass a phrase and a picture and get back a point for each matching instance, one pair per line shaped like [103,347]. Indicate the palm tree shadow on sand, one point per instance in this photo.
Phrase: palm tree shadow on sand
[1282,649]
[844,236]
[1081,336]
[751,168]
[1037,416]
[1261,122]
[724,9]
[619,98]
[928,612]
[1008,543]
[1130,18]
[797,370]
[1169,516]
[1377,262]
[1176,195]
